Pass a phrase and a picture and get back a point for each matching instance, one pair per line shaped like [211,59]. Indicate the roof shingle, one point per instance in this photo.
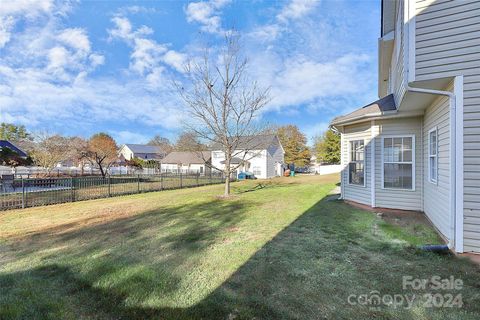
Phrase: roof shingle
[375,108]
[187,157]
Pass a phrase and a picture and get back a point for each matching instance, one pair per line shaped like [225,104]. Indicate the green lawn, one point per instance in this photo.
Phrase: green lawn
[279,250]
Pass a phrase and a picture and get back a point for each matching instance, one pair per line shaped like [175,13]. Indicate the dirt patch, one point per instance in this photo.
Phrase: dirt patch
[403,218]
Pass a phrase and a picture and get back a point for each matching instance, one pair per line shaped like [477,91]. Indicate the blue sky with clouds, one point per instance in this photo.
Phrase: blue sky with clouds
[80,67]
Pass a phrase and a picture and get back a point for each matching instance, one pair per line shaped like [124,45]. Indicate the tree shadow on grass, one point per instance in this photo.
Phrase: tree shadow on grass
[307,271]
[130,261]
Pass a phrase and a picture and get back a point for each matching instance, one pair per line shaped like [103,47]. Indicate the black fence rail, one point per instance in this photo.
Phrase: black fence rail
[24,193]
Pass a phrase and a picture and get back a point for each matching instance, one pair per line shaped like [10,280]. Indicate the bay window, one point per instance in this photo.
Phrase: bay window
[398,154]
[356,166]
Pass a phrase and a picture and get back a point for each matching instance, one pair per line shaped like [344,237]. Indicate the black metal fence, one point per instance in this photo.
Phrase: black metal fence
[24,193]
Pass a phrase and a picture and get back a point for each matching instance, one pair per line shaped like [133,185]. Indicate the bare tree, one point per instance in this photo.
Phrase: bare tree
[188,141]
[79,148]
[224,104]
[161,142]
[49,150]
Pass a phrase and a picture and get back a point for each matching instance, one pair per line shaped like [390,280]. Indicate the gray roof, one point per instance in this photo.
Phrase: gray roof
[258,142]
[145,148]
[187,157]
[14,148]
[373,109]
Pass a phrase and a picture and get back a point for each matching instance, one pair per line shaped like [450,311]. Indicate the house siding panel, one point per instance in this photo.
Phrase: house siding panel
[360,194]
[471,211]
[447,44]
[399,199]
[436,200]
[447,39]
[398,76]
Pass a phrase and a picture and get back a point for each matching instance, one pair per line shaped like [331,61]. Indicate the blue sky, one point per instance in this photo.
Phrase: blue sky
[80,67]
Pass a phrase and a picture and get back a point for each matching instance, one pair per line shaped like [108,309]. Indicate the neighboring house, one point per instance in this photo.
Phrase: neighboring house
[262,155]
[14,148]
[191,161]
[142,151]
[418,147]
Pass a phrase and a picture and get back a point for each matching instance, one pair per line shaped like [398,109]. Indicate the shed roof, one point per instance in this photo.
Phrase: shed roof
[187,157]
[145,148]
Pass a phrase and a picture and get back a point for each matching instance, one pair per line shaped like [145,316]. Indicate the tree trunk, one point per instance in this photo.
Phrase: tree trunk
[227,173]
[101,170]
[227,186]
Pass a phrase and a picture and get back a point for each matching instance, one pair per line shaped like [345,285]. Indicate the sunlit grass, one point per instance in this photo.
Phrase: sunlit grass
[274,250]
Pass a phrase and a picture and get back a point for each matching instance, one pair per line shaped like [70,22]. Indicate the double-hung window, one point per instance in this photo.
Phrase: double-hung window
[433,155]
[356,166]
[398,162]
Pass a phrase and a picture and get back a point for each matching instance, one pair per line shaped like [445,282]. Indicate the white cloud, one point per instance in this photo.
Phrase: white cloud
[147,53]
[296,9]
[45,81]
[175,59]
[6,26]
[207,13]
[292,11]
[28,8]
[135,9]
[84,101]
[76,38]
[96,59]
[266,33]
[122,137]
[13,11]
[300,79]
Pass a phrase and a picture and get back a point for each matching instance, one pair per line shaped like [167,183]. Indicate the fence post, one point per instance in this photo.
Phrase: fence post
[138,183]
[109,188]
[181,181]
[198,175]
[161,181]
[72,186]
[23,194]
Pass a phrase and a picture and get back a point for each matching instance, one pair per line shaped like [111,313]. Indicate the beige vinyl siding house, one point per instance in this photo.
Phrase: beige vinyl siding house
[447,45]
[410,199]
[356,192]
[425,129]
[436,190]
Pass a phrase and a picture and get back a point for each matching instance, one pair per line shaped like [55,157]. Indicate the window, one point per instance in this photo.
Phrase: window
[257,171]
[356,166]
[398,159]
[433,155]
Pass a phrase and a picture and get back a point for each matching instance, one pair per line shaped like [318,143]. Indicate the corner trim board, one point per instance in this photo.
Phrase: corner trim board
[458,91]
[372,161]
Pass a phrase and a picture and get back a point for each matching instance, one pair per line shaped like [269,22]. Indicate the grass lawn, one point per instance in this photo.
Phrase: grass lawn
[274,251]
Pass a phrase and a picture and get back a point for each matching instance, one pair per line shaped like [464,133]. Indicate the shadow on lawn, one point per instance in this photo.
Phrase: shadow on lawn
[307,271]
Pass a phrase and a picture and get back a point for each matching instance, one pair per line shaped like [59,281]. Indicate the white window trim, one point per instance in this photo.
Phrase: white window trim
[364,163]
[430,178]
[382,169]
